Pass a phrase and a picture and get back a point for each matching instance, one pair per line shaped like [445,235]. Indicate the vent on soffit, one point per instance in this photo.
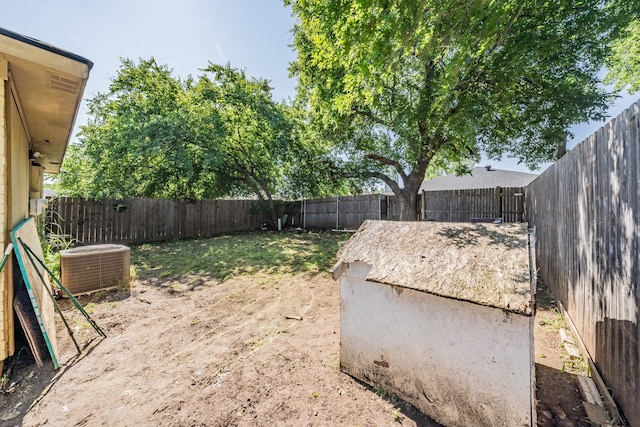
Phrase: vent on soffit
[64,84]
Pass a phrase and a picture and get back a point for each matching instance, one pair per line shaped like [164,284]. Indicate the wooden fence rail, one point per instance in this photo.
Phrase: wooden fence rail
[585,209]
[349,212]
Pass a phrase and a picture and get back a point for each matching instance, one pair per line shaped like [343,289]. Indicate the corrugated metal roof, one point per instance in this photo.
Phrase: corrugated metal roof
[484,264]
[479,177]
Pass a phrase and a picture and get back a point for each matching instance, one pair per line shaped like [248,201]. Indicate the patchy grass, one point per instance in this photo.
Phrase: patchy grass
[553,321]
[223,257]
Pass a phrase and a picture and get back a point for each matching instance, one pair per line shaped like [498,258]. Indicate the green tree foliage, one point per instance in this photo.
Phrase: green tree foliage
[74,179]
[401,85]
[255,138]
[624,63]
[153,135]
[138,142]
[316,171]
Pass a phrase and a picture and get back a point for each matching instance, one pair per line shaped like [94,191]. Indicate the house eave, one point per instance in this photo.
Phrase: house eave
[47,85]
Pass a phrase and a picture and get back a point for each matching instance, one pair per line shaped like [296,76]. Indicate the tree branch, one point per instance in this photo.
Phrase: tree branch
[250,182]
[386,161]
[395,187]
[378,120]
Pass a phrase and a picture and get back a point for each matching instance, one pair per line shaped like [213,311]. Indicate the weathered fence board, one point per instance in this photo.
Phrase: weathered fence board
[344,212]
[481,203]
[147,220]
[349,212]
[585,210]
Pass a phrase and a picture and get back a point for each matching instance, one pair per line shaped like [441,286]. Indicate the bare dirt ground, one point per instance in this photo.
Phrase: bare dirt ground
[192,351]
[557,390]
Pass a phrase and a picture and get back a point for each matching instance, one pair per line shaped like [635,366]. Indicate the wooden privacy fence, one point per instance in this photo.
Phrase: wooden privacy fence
[349,212]
[585,211]
[147,220]
[150,220]
[343,212]
[478,203]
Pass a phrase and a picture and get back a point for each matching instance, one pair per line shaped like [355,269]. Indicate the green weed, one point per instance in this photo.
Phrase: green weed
[90,308]
[576,366]
[555,321]
[52,244]
[385,394]
[396,415]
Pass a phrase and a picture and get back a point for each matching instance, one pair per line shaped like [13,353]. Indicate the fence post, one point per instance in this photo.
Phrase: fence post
[303,207]
[337,213]
[498,202]
[520,198]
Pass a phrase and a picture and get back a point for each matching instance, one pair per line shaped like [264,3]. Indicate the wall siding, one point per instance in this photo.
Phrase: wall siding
[585,210]
[6,291]
[19,168]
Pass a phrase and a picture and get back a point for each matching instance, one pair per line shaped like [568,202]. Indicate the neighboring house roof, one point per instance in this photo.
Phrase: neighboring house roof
[480,177]
[484,264]
[49,83]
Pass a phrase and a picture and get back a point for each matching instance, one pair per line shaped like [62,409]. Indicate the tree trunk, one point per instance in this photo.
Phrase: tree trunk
[271,213]
[264,196]
[407,206]
[561,149]
[408,202]
[407,194]
[561,145]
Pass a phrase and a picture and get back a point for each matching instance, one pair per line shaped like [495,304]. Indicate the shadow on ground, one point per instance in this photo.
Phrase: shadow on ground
[23,383]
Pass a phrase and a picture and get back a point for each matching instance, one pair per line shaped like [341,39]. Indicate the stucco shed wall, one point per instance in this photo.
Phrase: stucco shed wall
[460,363]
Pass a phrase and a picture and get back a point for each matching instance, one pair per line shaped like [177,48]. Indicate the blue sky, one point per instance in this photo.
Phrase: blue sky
[253,35]
[185,35]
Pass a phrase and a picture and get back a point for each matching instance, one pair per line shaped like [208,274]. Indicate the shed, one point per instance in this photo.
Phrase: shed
[41,88]
[441,314]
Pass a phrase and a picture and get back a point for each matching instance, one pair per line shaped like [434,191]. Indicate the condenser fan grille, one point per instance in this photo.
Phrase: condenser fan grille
[92,268]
